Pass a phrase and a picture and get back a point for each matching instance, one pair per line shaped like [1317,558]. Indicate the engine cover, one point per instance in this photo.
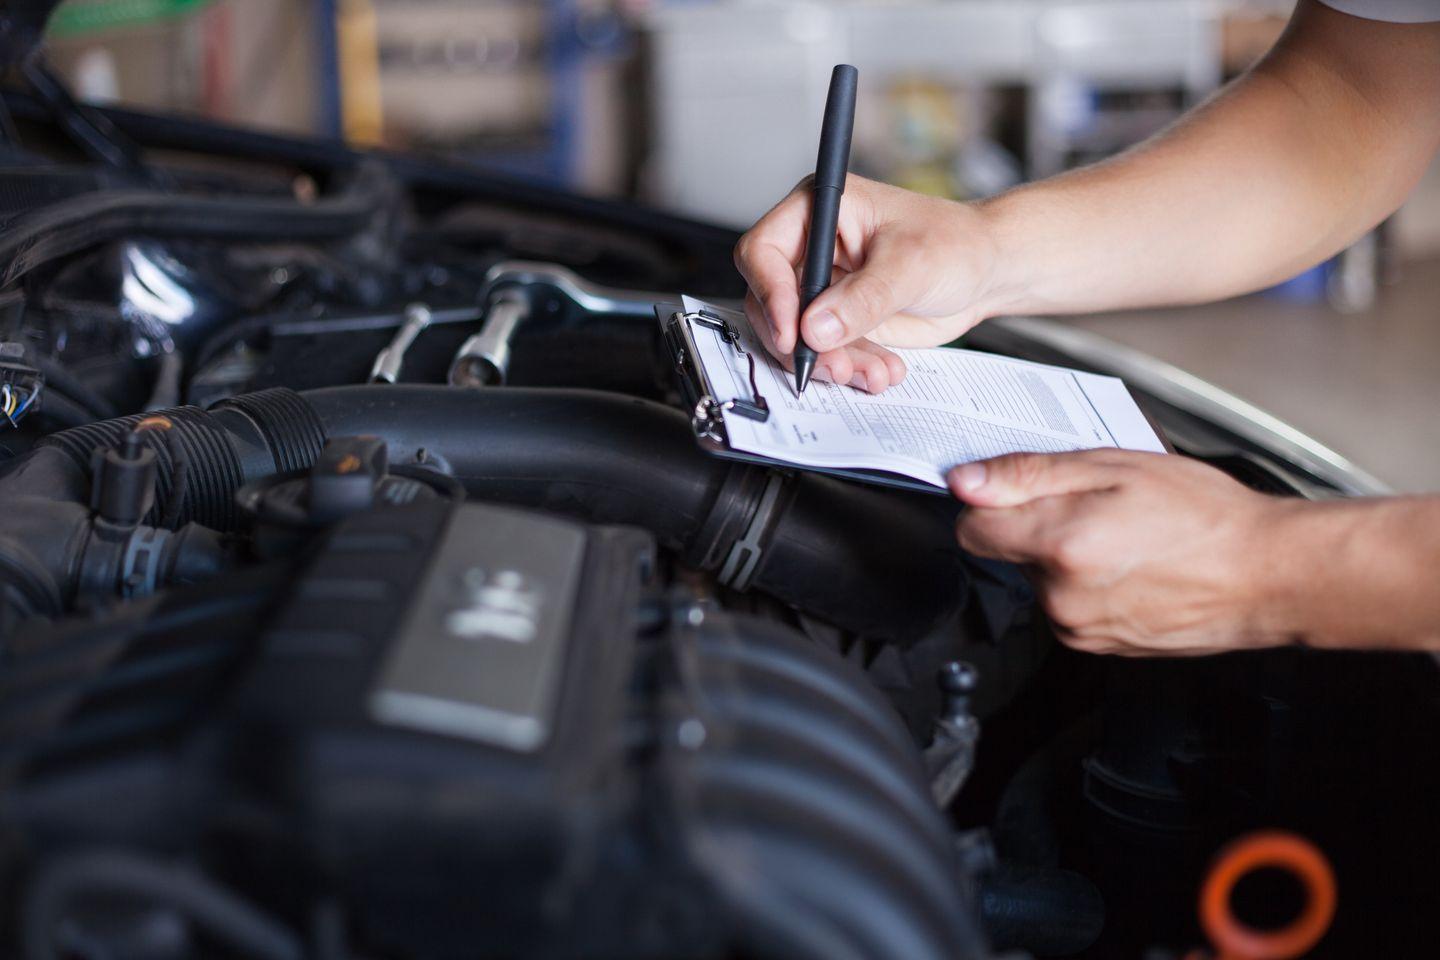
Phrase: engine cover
[453,760]
[471,730]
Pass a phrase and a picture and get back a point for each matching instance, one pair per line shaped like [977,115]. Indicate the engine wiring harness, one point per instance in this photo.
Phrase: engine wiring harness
[20,383]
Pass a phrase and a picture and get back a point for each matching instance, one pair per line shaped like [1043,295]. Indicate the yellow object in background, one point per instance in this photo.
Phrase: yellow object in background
[928,125]
[931,179]
[362,116]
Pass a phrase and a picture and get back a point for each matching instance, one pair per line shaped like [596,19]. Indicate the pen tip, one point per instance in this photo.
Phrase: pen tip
[804,367]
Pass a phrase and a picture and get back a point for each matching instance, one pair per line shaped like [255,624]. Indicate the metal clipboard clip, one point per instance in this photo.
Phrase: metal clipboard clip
[707,417]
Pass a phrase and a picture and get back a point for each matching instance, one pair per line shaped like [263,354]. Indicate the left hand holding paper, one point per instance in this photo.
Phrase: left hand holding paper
[1130,553]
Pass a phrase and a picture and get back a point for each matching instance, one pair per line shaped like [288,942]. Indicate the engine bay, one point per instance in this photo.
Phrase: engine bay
[366,595]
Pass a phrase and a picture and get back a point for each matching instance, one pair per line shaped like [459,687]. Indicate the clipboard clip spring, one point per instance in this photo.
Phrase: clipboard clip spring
[709,412]
[708,415]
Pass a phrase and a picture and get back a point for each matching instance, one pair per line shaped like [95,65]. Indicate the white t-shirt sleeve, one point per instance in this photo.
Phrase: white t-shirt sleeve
[1393,11]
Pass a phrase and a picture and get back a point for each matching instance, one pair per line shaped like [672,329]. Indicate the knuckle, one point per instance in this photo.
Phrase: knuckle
[875,294]
[1062,610]
[1073,553]
[1085,644]
[1020,470]
[974,531]
[744,250]
[965,531]
[1053,607]
[877,378]
[897,368]
[756,314]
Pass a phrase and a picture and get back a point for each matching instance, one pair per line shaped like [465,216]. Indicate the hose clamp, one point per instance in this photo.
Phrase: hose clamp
[140,565]
[744,556]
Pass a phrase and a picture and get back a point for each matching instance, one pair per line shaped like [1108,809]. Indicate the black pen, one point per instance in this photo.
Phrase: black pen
[830,168]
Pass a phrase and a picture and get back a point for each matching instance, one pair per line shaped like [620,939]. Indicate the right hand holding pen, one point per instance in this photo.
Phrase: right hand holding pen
[910,271]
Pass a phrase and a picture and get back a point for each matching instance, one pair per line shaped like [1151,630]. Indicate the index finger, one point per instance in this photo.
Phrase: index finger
[1013,534]
[766,257]
[1020,478]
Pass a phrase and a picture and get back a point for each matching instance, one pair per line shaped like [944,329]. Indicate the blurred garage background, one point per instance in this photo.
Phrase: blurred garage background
[711,108]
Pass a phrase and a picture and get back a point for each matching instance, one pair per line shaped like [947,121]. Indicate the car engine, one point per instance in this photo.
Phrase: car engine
[366,595]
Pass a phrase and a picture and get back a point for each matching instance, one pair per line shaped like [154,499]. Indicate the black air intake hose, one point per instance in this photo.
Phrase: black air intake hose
[53,552]
[880,563]
[202,456]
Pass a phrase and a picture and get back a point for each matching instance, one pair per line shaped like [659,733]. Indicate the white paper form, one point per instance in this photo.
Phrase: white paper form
[953,406]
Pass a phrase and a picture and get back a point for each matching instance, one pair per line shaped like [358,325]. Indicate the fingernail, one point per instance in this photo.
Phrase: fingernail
[822,372]
[826,329]
[970,476]
[859,381]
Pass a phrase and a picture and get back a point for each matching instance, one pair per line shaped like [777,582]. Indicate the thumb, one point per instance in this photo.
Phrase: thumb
[1019,478]
[862,300]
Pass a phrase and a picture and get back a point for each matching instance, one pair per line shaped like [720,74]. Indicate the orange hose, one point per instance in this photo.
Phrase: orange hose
[1235,940]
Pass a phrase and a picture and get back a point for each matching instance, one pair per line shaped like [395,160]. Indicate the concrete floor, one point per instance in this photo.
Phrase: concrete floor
[1365,384]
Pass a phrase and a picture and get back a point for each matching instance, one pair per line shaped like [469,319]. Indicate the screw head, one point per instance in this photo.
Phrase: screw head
[691,734]
[957,676]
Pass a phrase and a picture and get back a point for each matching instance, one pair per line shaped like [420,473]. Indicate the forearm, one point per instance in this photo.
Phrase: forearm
[1286,166]
[1353,574]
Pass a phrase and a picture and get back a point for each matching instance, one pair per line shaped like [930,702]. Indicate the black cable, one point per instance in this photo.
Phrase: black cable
[233,333]
[327,931]
[165,392]
[8,132]
[216,909]
[174,505]
[754,384]
[61,409]
[90,129]
[69,226]
[59,377]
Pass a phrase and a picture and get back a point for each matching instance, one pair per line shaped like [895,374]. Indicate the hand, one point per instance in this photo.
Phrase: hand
[910,271]
[1131,553]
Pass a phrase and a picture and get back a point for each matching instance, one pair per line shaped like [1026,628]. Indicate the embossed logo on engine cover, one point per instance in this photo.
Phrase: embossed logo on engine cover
[502,605]
[484,645]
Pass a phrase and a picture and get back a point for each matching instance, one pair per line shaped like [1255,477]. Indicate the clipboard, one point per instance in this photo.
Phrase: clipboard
[709,410]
